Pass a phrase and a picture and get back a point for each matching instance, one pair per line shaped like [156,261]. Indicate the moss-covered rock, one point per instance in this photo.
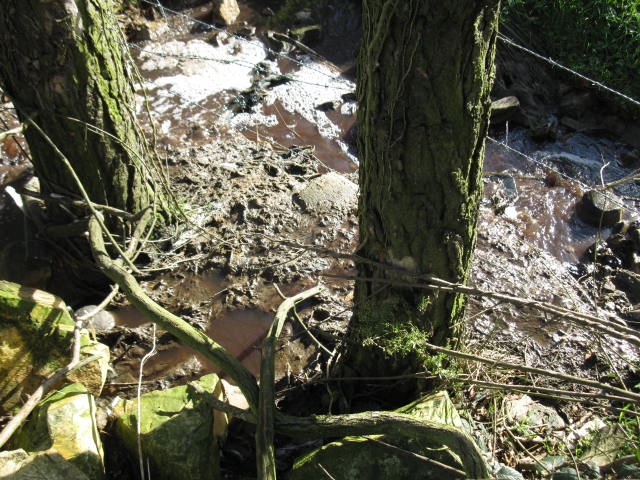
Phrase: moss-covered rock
[49,465]
[65,424]
[36,333]
[179,431]
[389,457]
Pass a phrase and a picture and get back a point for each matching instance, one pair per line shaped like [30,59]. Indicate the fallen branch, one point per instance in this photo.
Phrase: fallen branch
[173,324]
[621,394]
[554,393]
[593,322]
[368,423]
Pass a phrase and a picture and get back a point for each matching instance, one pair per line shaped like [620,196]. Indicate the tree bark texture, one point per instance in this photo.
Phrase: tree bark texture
[65,65]
[424,77]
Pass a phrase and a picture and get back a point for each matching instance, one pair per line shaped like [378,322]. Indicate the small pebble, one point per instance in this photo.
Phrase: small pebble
[100,322]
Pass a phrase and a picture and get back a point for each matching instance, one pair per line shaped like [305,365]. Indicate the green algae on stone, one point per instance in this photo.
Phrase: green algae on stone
[177,431]
[390,457]
[36,334]
[65,423]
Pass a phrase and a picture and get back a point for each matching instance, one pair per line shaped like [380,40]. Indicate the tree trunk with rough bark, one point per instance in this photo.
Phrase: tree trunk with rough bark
[66,67]
[424,77]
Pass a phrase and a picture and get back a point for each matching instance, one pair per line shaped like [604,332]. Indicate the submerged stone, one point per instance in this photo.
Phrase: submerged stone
[600,209]
[99,321]
[179,431]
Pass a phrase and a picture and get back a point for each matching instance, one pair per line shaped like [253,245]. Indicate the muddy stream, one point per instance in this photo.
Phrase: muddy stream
[204,86]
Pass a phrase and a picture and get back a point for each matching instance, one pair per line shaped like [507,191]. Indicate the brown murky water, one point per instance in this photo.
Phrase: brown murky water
[240,332]
[293,130]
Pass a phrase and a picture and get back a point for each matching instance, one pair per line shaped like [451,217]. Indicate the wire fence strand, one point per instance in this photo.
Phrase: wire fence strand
[550,61]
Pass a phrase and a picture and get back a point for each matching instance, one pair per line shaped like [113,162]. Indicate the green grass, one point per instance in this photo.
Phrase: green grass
[630,422]
[598,38]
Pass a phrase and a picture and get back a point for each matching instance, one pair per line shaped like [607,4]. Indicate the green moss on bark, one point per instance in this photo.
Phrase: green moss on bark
[426,69]
[65,64]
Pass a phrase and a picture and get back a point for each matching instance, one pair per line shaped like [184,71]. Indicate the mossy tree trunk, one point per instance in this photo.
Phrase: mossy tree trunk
[424,77]
[65,65]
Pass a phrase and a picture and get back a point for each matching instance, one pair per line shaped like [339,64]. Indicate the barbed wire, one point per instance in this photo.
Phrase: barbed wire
[250,129]
[556,64]
[505,39]
[502,144]
[329,71]
[502,37]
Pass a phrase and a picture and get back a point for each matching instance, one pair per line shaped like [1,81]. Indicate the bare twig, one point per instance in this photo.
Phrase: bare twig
[265,429]
[13,131]
[429,282]
[402,451]
[324,470]
[84,193]
[148,355]
[77,203]
[555,393]
[623,394]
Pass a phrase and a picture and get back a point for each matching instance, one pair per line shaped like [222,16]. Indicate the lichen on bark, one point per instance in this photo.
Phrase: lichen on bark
[65,65]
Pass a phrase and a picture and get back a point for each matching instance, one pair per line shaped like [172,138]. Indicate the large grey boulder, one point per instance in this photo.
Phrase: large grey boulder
[328,192]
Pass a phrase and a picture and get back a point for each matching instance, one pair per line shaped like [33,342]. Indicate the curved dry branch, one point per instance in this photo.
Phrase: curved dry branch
[265,457]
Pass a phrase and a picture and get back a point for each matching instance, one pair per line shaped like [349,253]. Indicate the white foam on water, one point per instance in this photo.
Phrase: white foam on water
[198,69]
